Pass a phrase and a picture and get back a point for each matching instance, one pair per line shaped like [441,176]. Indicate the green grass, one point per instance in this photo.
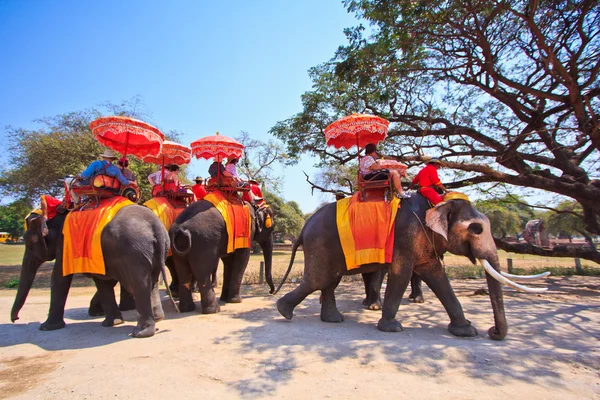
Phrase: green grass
[11,254]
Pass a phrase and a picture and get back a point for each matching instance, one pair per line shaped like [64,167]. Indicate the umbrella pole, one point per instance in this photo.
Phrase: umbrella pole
[162,175]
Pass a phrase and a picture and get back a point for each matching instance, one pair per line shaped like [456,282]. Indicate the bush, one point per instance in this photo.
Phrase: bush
[13,283]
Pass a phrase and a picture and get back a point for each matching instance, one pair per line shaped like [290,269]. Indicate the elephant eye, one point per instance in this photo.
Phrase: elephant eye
[475,228]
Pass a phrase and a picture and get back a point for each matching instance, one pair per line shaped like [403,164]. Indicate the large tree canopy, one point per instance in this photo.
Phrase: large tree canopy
[505,91]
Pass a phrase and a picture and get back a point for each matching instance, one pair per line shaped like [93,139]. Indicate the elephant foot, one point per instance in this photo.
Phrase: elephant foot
[211,309]
[108,322]
[284,309]
[392,325]
[186,306]
[234,299]
[159,316]
[332,316]
[148,331]
[95,310]
[417,299]
[463,330]
[375,306]
[52,326]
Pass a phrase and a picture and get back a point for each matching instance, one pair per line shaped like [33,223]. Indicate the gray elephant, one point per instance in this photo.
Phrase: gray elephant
[134,245]
[453,226]
[199,241]
[373,282]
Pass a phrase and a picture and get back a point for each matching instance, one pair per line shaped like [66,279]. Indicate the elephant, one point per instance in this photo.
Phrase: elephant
[134,245]
[199,240]
[453,226]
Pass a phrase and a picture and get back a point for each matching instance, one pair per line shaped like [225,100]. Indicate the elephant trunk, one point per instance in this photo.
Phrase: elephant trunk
[500,328]
[29,269]
[267,249]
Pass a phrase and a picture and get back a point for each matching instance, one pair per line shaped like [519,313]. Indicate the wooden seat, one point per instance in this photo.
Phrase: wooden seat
[226,184]
[379,187]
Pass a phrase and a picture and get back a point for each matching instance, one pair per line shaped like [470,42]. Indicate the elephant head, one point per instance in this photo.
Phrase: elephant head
[263,235]
[41,238]
[467,232]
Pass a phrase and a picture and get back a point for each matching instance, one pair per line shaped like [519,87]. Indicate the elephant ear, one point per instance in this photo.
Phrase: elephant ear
[437,218]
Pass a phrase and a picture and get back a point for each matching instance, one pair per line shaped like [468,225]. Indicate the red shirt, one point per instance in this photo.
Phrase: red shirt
[255,189]
[199,191]
[428,176]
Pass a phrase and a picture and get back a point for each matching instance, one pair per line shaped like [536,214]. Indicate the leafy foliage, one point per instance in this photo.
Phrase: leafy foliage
[12,216]
[289,219]
[506,92]
[503,221]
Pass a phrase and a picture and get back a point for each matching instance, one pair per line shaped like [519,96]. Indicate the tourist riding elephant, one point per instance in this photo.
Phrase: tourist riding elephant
[199,241]
[453,226]
[134,245]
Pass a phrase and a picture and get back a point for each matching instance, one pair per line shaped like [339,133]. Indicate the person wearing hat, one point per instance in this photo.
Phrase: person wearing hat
[370,169]
[254,195]
[428,180]
[198,188]
[103,166]
[127,173]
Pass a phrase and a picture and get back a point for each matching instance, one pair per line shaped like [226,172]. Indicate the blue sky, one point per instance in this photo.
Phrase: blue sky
[200,67]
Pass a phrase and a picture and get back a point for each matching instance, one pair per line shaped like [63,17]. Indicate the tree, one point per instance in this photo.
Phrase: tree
[505,91]
[259,159]
[289,219]
[12,217]
[64,145]
[566,221]
[504,222]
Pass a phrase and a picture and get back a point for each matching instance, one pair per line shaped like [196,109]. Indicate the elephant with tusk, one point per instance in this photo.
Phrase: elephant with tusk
[422,236]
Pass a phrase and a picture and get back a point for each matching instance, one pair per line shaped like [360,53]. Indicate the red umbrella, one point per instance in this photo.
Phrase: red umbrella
[356,130]
[172,153]
[128,136]
[217,146]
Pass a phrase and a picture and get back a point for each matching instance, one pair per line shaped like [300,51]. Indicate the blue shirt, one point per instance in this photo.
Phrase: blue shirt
[104,167]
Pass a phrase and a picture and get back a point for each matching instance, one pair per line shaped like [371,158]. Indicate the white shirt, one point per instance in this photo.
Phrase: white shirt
[365,165]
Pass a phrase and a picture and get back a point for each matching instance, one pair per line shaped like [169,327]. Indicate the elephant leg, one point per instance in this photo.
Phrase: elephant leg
[416,294]
[237,266]
[95,309]
[60,286]
[214,279]
[106,292]
[329,311]
[186,300]
[143,292]
[174,285]
[208,298]
[126,300]
[287,303]
[396,285]
[373,283]
[227,262]
[157,310]
[435,277]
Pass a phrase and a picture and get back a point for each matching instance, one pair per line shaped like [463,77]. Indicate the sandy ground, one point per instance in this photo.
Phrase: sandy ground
[250,351]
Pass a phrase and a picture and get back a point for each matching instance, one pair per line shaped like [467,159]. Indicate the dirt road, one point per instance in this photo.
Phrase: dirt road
[249,351]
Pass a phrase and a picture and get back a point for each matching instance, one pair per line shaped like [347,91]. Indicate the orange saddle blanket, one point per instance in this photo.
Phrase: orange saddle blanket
[237,219]
[366,230]
[82,249]
[164,210]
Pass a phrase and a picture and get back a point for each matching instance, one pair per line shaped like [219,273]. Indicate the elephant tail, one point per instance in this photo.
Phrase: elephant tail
[297,244]
[163,272]
[181,237]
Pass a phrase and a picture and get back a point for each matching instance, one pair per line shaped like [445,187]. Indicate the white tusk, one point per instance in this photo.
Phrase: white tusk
[490,270]
[538,276]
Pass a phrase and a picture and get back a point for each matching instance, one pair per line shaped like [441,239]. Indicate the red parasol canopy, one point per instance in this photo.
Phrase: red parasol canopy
[128,136]
[217,146]
[356,130]
[172,153]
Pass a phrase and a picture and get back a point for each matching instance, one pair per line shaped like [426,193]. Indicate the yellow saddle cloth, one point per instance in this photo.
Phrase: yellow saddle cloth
[164,210]
[82,249]
[366,230]
[237,219]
